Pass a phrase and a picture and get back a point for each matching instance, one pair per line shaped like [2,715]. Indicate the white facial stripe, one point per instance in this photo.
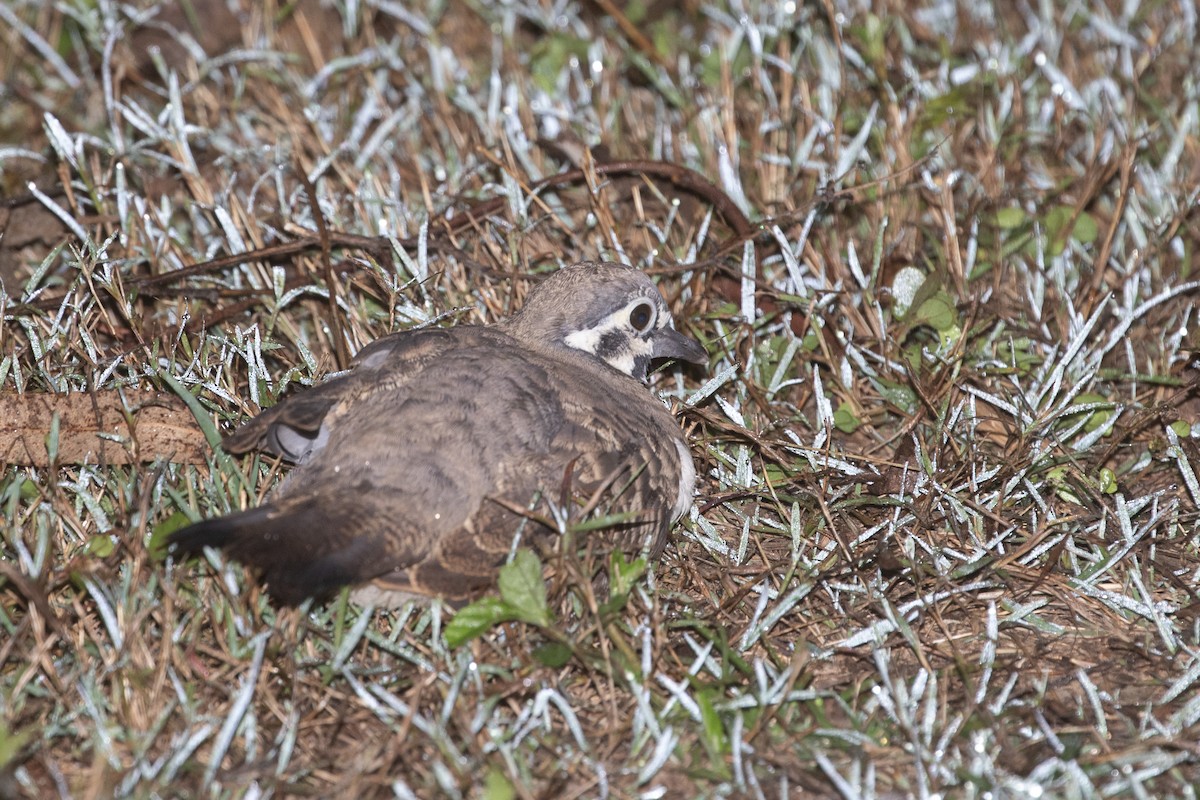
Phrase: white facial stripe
[626,360]
[588,339]
[592,340]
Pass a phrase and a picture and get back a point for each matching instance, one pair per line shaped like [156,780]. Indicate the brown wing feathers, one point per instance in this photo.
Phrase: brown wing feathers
[412,469]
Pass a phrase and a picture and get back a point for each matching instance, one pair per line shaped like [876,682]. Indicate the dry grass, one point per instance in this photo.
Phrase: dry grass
[948,550]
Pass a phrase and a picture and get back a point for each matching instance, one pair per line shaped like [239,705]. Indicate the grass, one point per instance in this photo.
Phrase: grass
[945,542]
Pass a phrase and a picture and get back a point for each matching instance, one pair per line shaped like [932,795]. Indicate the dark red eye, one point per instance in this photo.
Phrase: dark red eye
[641,316]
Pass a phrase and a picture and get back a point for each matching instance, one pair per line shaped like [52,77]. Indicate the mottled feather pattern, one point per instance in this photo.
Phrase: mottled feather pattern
[413,467]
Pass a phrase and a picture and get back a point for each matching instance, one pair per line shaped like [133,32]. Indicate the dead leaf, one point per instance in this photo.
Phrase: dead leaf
[105,427]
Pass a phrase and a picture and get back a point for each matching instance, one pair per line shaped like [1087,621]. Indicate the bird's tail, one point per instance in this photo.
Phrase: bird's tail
[301,550]
[216,533]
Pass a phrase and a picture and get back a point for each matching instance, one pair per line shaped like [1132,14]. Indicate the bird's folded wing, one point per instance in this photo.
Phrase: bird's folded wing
[291,429]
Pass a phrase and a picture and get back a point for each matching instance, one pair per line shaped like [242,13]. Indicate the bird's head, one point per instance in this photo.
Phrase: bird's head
[610,311]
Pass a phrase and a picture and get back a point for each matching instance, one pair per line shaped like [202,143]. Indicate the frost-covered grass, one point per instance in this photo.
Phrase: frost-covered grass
[946,536]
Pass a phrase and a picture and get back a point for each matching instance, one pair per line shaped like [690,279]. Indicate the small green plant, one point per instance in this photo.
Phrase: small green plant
[522,598]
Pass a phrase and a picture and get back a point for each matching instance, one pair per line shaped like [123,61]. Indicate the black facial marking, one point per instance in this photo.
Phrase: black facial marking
[611,343]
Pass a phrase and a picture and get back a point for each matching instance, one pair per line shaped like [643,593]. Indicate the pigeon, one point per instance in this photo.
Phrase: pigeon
[420,469]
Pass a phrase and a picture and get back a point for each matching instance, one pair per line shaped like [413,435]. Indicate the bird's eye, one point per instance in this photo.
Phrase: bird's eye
[641,316]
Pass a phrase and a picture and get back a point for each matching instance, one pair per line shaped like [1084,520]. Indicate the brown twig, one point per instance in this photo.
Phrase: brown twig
[681,177]
[380,247]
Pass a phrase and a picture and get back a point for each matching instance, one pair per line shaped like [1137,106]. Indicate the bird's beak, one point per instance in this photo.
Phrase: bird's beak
[670,343]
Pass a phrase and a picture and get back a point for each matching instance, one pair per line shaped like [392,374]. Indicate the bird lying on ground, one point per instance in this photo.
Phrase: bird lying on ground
[415,470]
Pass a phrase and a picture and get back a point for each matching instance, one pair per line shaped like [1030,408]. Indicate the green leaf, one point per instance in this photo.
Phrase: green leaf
[476,618]
[871,33]
[715,740]
[898,394]
[1056,220]
[938,312]
[101,545]
[1019,352]
[1057,478]
[1086,228]
[710,66]
[162,531]
[497,786]
[553,654]
[11,743]
[523,588]
[550,55]
[1010,218]
[624,574]
[522,597]
[636,10]
[947,108]
[844,419]
[1097,417]
[1060,228]
[1108,481]
[1181,428]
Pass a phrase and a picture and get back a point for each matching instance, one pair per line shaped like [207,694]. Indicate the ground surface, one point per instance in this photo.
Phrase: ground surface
[946,534]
